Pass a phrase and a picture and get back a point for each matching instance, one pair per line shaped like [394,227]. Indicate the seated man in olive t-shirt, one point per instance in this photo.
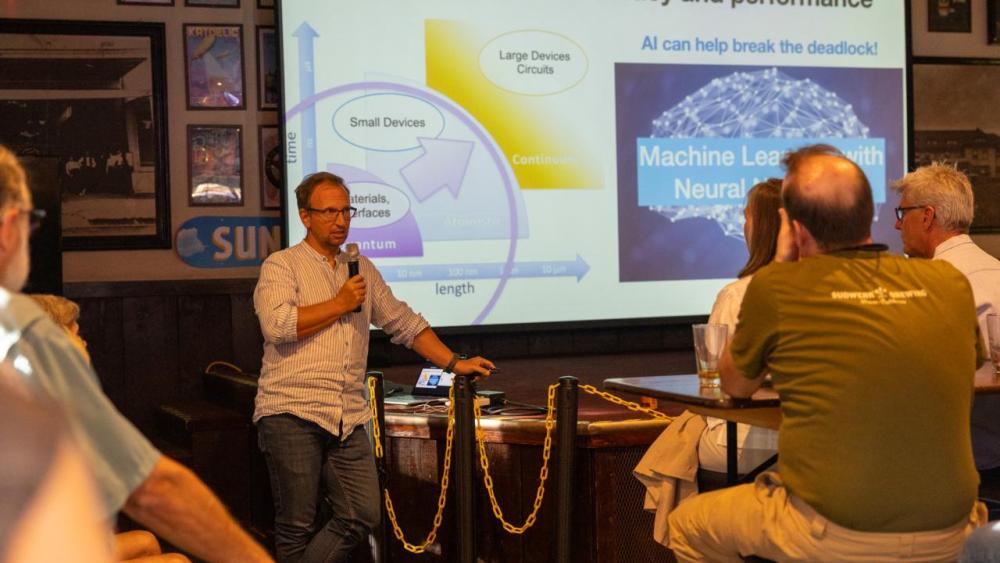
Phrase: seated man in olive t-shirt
[873,357]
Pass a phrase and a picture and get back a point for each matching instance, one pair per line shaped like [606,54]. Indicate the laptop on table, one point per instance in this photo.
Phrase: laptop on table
[433,384]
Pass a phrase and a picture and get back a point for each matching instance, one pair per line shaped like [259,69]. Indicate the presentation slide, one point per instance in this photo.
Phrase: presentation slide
[537,161]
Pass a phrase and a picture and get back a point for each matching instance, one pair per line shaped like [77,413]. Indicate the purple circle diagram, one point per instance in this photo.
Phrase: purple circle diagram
[477,130]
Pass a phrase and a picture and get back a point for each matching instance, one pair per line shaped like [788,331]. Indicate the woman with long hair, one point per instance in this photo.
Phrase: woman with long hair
[760,230]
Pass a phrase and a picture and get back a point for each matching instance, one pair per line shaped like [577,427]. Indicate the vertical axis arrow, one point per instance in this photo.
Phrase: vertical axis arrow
[307,87]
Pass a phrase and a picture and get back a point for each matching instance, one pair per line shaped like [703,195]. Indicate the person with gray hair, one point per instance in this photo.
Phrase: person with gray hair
[131,475]
[933,218]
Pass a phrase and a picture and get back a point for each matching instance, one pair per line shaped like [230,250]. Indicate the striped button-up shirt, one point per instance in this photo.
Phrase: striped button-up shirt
[320,378]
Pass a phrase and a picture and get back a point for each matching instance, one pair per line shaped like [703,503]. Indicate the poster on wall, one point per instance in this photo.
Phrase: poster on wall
[956,121]
[215,165]
[954,16]
[214,66]
[993,21]
[213,3]
[270,167]
[83,105]
[268,93]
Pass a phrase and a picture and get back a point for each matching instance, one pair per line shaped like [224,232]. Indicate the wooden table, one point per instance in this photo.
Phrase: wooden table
[761,409]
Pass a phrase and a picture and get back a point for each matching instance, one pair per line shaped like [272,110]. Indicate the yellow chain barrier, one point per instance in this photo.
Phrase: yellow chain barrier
[376,431]
[484,462]
[546,452]
[550,423]
[442,496]
[627,404]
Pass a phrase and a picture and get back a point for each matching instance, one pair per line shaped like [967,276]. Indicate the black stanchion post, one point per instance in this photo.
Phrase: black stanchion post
[381,535]
[566,414]
[465,439]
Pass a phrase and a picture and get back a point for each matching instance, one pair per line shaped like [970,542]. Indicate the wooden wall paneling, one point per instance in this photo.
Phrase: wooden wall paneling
[641,338]
[554,343]
[162,288]
[595,341]
[101,327]
[151,356]
[214,440]
[248,342]
[399,355]
[469,344]
[228,470]
[378,352]
[495,543]
[678,337]
[204,334]
[415,465]
[539,541]
[46,274]
[383,353]
[512,345]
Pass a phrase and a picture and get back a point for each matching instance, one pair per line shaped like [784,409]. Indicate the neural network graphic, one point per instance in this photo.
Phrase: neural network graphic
[761,104]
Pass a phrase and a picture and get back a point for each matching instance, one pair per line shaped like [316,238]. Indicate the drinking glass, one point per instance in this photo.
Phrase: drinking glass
[993,329]
[709,342]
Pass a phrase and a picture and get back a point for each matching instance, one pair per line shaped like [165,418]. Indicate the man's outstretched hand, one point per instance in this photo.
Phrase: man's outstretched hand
[475,366]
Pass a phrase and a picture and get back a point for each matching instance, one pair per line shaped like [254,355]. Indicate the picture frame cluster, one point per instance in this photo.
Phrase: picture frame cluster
[215,80]
[96,132]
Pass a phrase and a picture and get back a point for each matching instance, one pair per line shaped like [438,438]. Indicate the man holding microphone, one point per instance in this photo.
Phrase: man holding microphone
[311,404]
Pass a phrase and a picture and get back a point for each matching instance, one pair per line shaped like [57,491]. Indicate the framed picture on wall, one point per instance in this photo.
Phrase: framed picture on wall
[147,2]
[213,69]
[268,79]
[954,16]
[271,169]
[85,103]
[215,164]
[213,3]
[956,120]
[992,25]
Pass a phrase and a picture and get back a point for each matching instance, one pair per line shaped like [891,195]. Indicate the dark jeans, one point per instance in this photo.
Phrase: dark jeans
[304,462]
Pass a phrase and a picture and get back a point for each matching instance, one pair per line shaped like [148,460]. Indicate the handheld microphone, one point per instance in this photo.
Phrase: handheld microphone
[352,264]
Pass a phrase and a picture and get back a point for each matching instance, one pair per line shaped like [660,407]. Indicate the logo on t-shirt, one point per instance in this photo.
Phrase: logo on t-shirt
[879,296]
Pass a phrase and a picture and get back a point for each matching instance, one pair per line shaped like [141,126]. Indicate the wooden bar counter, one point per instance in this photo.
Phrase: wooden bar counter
[609,524]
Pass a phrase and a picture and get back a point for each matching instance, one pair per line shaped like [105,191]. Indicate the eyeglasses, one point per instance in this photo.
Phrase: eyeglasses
[35,217]
[331,213]
[901,211]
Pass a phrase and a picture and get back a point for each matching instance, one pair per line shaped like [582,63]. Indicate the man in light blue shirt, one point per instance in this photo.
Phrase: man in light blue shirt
[131,475]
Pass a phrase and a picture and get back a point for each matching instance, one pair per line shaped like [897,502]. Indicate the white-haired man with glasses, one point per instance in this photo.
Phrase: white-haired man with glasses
[131,475]
[933,219]
[311,404]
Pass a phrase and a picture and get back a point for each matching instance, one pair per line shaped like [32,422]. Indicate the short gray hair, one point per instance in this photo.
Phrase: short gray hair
[944,188]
